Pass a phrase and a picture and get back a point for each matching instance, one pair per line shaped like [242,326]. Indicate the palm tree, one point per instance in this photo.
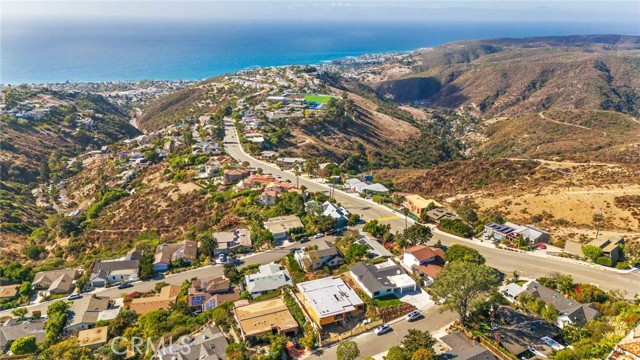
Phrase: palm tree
[296,170]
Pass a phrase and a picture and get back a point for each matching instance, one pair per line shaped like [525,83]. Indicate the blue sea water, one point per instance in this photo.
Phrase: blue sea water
[77,50]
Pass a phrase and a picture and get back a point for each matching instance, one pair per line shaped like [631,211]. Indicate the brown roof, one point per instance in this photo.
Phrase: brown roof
[211,285]
[261,317]
[422,252]
[8,291]
[167,253]
[168,294]
[631,347]
[430,269]
[93,336]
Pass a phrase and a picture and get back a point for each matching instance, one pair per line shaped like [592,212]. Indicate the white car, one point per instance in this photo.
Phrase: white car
[74,296]
[414,315]
[318,235]
[382,329]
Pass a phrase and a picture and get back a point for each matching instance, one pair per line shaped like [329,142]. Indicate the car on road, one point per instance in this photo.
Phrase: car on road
[125,285]
[318,235]
[382,329]
[278,177]
[414,315]
[74,296]
[304,240]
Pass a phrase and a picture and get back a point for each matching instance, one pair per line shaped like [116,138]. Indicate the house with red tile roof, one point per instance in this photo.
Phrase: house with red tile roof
[426,261]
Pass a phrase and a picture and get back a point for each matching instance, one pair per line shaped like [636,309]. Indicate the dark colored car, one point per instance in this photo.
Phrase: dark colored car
[125,285]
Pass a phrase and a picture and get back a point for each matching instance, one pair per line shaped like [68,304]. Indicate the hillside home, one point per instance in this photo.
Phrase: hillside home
[93,338]
[185,251]
[629,347]
[209,344]
[418,205]
[382,279]
[338,213]
[83,312]
[205,294]
[374,248]
[269,277]
[267,317]
[232,176]
[281,226]
[326,254]
[437,214]
[238,240]
[14,329]
[569,311]
[511,232]
[167,296]
[114,271]
[426,261]
[55,281]
[8,291]
[329,300]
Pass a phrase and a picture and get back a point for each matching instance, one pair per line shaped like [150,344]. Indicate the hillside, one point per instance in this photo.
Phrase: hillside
[510,77]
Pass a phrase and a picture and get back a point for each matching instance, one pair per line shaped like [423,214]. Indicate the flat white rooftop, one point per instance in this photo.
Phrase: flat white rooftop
[329,296]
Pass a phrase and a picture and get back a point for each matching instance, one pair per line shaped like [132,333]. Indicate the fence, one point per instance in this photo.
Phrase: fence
[326,341]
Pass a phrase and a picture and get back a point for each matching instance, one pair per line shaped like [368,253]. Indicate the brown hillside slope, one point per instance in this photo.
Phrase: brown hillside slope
[515,76]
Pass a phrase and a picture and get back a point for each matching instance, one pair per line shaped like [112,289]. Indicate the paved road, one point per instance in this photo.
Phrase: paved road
[177,279]
[526,265]
[371,344]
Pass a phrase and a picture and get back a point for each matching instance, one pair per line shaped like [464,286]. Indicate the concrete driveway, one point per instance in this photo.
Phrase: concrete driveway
[420,299]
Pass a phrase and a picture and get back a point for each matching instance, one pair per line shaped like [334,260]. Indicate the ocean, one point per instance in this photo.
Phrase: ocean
[84,51]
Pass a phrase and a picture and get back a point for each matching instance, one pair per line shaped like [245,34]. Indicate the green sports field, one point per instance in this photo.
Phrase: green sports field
[321,99]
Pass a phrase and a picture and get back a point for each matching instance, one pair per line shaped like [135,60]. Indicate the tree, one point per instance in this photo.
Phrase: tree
[592,252]
[20,313]
[416,339]
[461,285]
[68,349]
[424,354]
[146,266]
[208,244]
[232,273]
[26,290]
[458,252]
[416,234]
[347,350]
[124,319]
[397,353]
[25,345]
[353,219]
[356,252]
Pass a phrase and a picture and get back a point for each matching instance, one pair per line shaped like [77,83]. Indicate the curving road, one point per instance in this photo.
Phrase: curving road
[527,265]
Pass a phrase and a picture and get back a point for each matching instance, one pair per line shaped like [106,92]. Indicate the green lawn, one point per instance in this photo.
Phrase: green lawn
[322,99]
[387,301]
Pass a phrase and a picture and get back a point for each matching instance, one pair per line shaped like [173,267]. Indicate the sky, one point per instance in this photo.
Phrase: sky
[329,10]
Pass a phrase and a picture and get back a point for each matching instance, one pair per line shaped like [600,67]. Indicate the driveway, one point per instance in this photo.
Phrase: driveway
[421,300]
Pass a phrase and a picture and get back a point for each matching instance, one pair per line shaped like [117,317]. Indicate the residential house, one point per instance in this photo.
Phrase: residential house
[511,232]
[382,279]
[93,338]
[13,329]
[264,318]
[167,296]
[268,198]
[83,312]
[339,213]
[288,162]
[569,311]
[359,186]
[426,261]
[374,248]
[629,347]
[464,348]
[330,300]
[209,344]
[437,214]
[205,294]
[185,251]
[8,291]
[238,240]
[55,281]
[610,248]
[511,291]
[269,277]
[281,226]
[326,254]
[113,271]
[254,181]
[521,334]
[232,176]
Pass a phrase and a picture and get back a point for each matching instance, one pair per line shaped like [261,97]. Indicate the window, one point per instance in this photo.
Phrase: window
[338,317]
[376,293]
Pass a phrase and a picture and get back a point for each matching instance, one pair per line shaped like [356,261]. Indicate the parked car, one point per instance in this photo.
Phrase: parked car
[304,240]
[382,329]
[125,285]
[318,235]
[74,296]
[414,315]
[222,258]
